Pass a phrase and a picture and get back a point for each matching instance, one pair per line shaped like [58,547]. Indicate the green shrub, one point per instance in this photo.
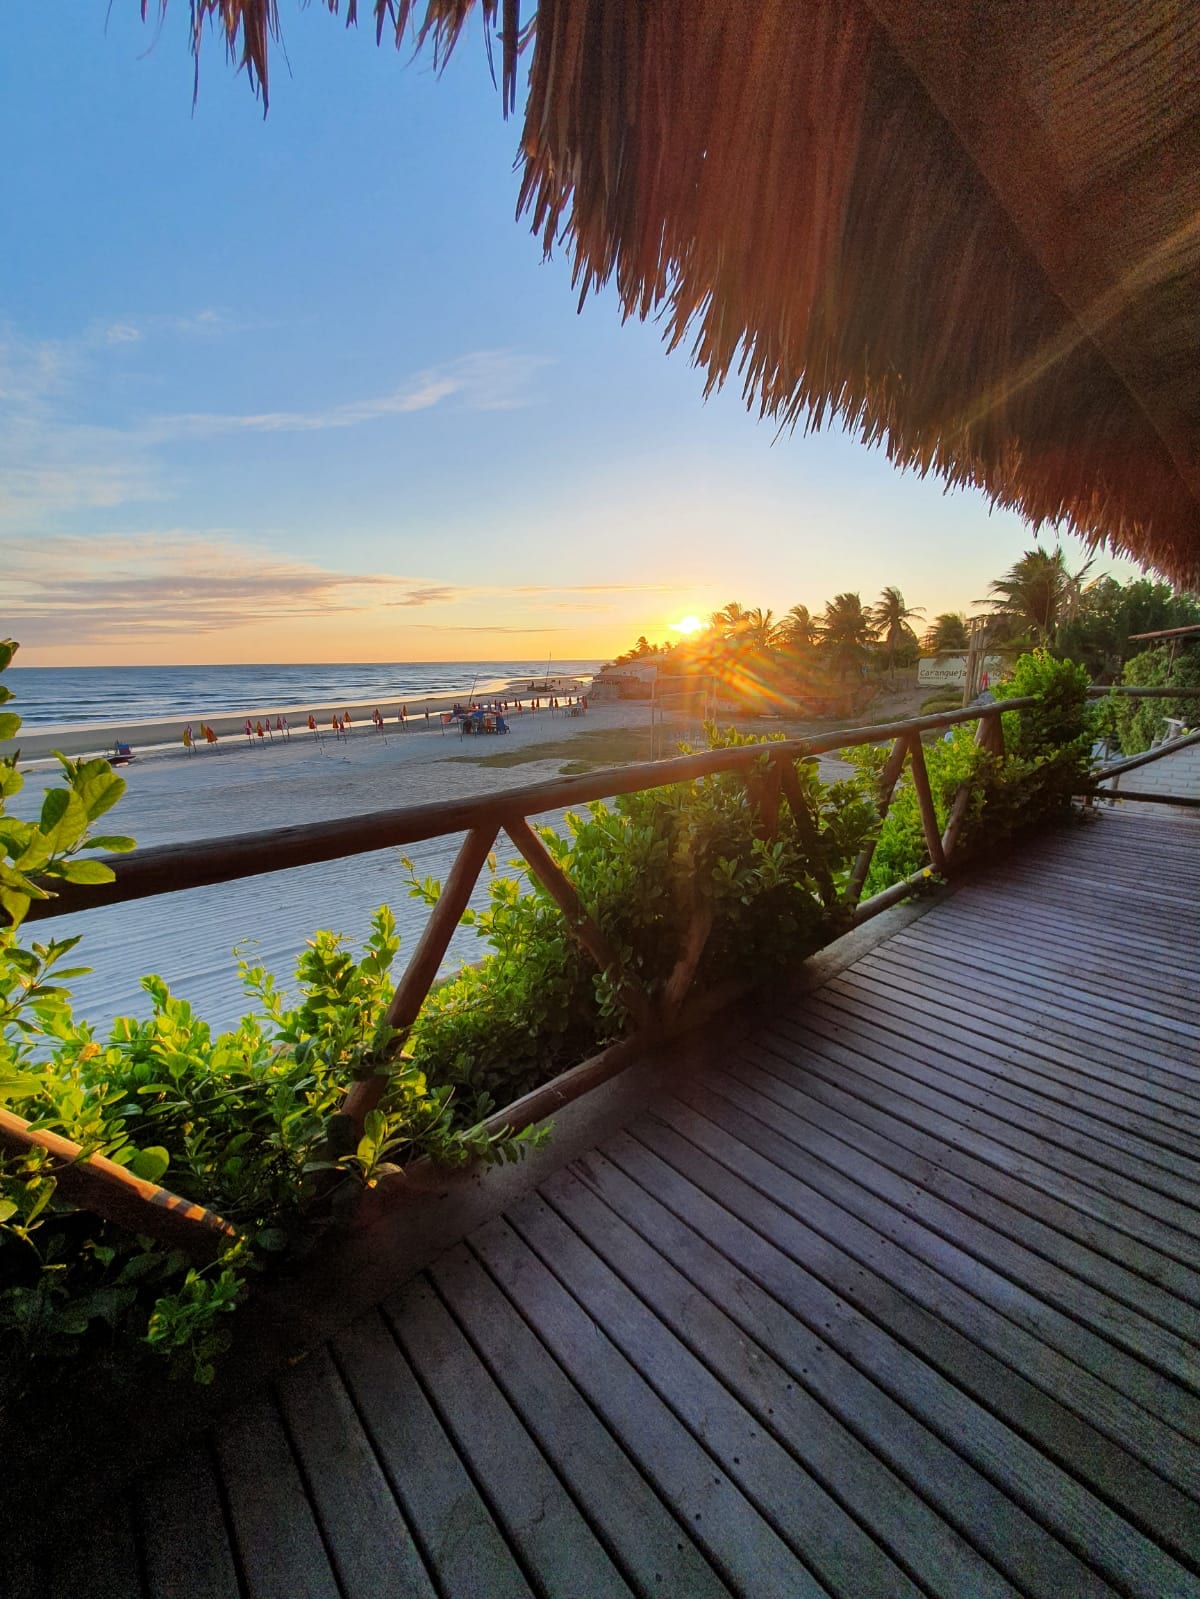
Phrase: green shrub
[643,867]
[1140,722]
[945,699]
[1046,762]
[246,1122]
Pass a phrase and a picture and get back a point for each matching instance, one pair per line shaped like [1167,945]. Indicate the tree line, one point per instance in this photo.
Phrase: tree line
[1039,603]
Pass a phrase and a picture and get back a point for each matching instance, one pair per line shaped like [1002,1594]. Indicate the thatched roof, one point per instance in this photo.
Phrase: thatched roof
[969,227]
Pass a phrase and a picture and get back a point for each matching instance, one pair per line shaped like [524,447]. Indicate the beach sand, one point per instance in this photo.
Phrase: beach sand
[173,797]
[98,738]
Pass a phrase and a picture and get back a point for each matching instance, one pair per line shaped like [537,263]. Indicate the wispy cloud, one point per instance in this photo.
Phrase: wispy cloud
[71,590]
[491,380]
[58,457]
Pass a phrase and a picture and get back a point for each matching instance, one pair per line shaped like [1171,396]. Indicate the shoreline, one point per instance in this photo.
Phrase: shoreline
[100,738]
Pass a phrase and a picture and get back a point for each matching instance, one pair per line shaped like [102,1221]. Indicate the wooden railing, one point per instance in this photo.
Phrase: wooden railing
[769,771]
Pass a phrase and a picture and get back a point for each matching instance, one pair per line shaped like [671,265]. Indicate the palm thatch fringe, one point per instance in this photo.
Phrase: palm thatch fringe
[776,182]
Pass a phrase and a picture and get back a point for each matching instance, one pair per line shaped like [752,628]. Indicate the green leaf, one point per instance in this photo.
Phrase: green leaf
[10,724]
[64,820]
[115,843]
[8,1209]
[150,1164]
[99,788]
[87,872]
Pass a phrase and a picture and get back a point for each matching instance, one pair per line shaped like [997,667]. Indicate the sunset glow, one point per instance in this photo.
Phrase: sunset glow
[688,626]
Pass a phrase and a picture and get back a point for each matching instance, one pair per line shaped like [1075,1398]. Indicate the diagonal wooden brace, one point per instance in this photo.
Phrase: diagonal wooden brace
[97,1184]
[807,828]
[583,928]
[920,775]
[888,779]
[427,958]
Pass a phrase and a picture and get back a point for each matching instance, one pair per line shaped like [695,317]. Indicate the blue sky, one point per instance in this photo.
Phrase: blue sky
[303,389]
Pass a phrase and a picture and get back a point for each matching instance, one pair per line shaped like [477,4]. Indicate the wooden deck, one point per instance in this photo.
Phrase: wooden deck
[899,1295]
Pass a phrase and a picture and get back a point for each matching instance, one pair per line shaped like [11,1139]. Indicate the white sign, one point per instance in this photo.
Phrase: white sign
[950,671]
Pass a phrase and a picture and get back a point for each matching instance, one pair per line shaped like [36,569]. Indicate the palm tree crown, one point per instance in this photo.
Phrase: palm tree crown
[1038,593]
[891,619]
[948,632]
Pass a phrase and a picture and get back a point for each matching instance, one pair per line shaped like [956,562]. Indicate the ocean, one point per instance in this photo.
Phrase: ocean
[53,695]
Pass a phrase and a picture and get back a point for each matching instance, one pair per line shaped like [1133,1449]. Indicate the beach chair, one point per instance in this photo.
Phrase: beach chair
[121,756]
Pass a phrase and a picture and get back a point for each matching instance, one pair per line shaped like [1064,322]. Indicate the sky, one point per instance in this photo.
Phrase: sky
[304,389]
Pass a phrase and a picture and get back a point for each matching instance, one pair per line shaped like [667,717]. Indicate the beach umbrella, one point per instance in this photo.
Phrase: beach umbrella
[189,742]
[209,736]
[250,732]
[281,726]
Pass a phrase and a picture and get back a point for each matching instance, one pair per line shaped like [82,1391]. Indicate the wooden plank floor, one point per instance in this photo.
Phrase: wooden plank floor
[899,1295]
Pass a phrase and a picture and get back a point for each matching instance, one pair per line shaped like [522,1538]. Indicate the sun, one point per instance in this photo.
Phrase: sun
[688,626]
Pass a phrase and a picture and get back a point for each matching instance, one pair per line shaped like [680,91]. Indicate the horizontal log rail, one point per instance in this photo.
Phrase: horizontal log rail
[1128,691]
[1115,768]
[771,779]
[169,868]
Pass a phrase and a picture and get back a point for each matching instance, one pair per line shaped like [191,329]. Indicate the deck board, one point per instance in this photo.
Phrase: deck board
[897,1292]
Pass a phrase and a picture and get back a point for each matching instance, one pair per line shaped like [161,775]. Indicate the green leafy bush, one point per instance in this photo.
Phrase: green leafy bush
[645,867]
[1046,763]
[1140,722]
[247,1122]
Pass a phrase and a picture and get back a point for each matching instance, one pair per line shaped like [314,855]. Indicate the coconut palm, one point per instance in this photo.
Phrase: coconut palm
[745,630]
[728,620]
[1038,594]
[892,619]
[948,632]
[799,630]
[846,631]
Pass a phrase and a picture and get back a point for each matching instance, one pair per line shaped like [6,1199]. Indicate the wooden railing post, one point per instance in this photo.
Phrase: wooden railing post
[422,969]
[933,838]
[888,779]
[583,928]
[97,1184]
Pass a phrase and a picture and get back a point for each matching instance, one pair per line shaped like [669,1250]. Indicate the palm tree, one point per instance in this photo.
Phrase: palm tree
[1037,594]
[948,632]
[890,619]
[846,630]
[799,630]
[728,620]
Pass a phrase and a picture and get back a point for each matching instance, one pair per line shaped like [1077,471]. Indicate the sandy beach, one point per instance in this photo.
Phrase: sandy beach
[173,797]
[98,738]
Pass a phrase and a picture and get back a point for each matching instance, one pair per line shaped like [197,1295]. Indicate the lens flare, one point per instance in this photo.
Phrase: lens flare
[688,626]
